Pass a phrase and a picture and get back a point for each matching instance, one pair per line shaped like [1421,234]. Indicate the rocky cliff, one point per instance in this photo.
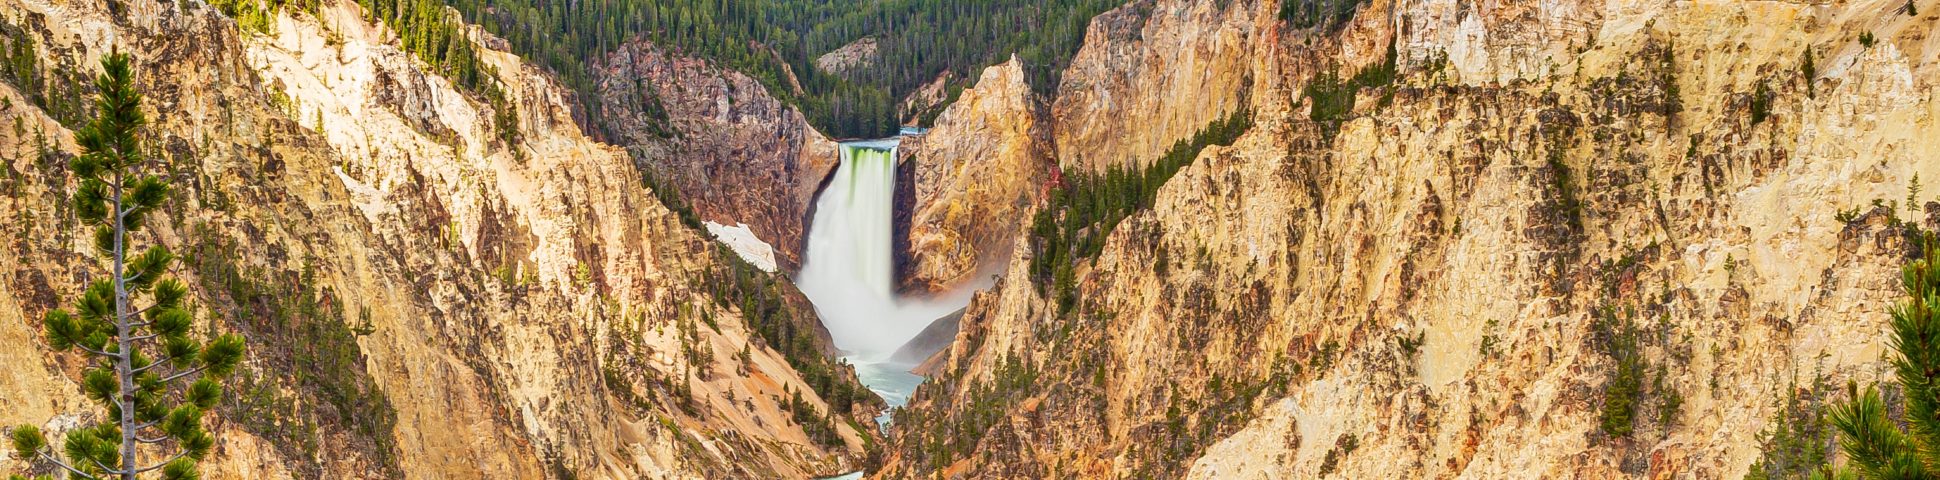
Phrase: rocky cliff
[422,298]
[1151,73]
[975,175]
[1559,239]
[735,153]
[1693,211]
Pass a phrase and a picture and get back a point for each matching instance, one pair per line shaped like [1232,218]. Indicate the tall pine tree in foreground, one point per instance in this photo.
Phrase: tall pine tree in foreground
[1875,445]
[152,376]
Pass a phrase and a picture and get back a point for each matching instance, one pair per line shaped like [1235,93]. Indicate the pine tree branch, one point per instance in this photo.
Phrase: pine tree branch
[104,468]
[178,456]
[151,440]
[184,373]
[93,351]
[63,465]
[157,363]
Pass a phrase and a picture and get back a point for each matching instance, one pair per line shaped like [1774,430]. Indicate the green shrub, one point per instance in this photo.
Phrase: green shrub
[1562,181]
[1847,216]
[1410,344]
[1798,440]
[1344,446]
[1623,390]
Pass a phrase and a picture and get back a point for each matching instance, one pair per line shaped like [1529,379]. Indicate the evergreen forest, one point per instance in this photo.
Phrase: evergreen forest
[771,40]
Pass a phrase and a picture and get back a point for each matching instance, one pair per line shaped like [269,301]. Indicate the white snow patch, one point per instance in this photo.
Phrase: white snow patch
[740,238]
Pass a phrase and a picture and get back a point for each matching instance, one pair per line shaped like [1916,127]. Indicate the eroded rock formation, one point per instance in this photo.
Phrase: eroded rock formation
[1428,287]
[975,176]
[737,155]
[1151,73]
[422,298]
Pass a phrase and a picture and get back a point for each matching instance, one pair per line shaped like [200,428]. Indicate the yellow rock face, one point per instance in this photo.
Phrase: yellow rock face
[1150,74]
[1414,295]
[977,174]
[530,308]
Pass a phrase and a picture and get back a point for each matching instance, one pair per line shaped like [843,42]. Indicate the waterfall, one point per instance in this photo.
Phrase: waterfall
[849,269]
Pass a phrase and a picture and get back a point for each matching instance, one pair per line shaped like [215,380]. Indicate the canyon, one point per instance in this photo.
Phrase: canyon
[1443,232]
[1414,287]
[423,300]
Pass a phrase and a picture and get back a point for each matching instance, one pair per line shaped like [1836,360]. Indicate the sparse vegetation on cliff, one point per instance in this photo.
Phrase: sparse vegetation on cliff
[1073,226]
[669,194]
[1798,442]
[259,17]
[61,92]
[941,441]
[783,326]
[1318,13]
[1761,103]
[1617,336]
[819,428]
[428,31]
[1875,445]
[309,351]
[151,375]
[1332,100]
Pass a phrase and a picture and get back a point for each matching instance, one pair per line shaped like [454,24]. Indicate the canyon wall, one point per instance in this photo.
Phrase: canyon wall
[736,154]
[1444,280]
[422,297]
[975,176]
[1696,208]
[1151,73]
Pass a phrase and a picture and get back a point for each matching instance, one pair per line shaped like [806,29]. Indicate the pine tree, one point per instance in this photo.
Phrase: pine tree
[1875,446]
[141,354]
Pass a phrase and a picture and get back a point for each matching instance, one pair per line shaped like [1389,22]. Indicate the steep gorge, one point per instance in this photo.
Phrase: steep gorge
[1425,284]
[423,299]
[1433,271]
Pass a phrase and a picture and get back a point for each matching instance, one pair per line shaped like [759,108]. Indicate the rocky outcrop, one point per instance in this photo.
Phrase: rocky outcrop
[1151,73]
[975,176]
[857,54]
[934,338]
[1428,289]
[923,105]
[736,154]
[420,300]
